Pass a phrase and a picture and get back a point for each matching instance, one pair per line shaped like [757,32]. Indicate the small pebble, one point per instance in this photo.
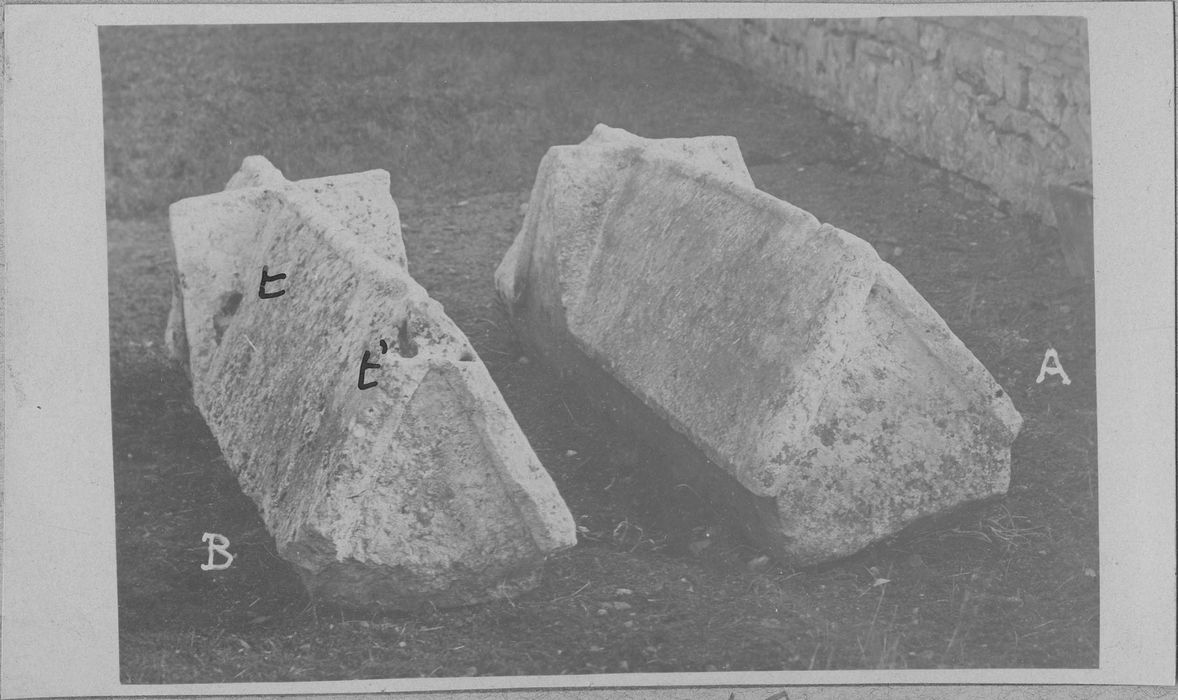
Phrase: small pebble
[602,611]
[759,563]
[523,360]
[570,453]
[621,606]
[402,644]
[628,624]
[471,671]
[624,591]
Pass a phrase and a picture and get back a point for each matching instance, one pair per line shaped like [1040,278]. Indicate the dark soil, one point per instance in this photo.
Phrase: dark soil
[461,115]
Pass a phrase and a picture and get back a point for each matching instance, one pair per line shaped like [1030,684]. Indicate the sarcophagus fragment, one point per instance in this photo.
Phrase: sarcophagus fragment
[775,359]
[353,411]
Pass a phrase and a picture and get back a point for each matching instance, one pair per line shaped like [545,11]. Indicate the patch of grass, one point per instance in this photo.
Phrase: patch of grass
[446,109]
[461,115]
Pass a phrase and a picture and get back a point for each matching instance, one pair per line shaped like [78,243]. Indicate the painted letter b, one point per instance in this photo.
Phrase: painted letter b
[218,544]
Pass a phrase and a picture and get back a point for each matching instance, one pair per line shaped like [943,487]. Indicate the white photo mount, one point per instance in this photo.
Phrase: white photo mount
[59,596]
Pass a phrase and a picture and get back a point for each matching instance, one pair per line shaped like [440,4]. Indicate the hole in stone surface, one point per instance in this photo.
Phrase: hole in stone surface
[466,356]
[221,319]
[406,347]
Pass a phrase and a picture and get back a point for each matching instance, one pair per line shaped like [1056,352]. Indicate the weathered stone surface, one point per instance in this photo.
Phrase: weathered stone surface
[420,488]
[216,238]
[778,360]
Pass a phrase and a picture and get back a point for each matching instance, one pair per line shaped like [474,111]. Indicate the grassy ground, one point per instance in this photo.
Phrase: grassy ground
[461,115]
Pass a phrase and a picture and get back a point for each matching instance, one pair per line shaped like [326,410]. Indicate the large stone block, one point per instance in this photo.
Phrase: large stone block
[776,359]
[419,487]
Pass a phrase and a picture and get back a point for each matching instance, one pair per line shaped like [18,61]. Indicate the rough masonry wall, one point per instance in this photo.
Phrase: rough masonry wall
[1001,100]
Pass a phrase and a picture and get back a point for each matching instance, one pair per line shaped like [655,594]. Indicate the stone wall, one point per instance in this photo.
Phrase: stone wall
[1001,100]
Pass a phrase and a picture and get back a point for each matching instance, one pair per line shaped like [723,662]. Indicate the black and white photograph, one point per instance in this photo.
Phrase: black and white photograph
[627,405]
[610,348]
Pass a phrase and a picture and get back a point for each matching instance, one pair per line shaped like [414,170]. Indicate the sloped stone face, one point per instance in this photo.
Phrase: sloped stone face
[419,488]
[778,359]
[214,236]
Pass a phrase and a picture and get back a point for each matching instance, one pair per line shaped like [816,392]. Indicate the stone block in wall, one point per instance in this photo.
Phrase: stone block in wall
[931,37]
[993,70]
[785,370]
[1044,95]
[352,410]
[901,31]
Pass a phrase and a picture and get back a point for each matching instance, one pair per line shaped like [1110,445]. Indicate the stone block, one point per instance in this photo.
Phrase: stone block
[1043,95]
[417,487]
[994,61]
[932,40]
[778,362]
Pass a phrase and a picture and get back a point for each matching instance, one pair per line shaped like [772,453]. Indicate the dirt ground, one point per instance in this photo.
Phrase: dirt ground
[460,115]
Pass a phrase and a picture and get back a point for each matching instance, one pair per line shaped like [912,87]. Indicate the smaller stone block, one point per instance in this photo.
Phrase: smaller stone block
[353,411]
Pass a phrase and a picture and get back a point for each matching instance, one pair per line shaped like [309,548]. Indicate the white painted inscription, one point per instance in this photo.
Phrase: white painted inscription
[1052,366]
[218,544]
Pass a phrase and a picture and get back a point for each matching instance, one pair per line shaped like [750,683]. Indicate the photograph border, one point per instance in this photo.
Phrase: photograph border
[60,628]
